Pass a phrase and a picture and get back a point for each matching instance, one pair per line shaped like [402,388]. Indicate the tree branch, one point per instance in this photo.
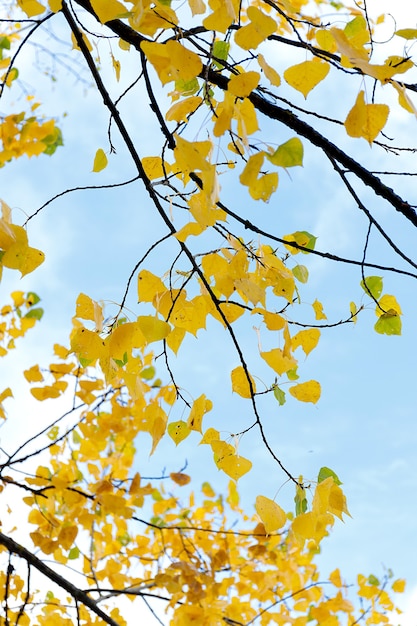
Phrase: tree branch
[62,582]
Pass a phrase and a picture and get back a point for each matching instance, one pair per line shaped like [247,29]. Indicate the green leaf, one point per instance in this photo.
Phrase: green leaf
[122,362]
[220,51]
[389,323]
[187,87]
[289,154]
[53,141]
[4,43]
[372,285]
[148,373]
[74,553]
[279,395]
[373,580]
[37,314]
[300,500]
[32,298]
[325,472]
[301,273]
[406,33]
[292,374]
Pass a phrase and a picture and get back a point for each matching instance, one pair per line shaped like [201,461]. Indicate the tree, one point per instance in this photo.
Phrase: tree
[110,533]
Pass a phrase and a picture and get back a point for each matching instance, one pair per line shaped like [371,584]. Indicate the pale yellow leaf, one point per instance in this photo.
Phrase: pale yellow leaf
[306,75]
[240,384]
[272,515]
[306,392]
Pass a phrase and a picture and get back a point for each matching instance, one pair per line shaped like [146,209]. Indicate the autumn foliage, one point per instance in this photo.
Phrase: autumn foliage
[96,531]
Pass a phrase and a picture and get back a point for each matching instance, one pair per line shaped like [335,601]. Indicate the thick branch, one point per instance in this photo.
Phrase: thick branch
[62,582]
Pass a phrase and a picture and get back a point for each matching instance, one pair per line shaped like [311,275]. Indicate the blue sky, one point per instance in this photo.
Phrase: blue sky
[364,424]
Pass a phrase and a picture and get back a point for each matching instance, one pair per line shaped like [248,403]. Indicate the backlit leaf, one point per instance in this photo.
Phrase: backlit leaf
[318,310]
[272,515]
[301,273]
[325,472]
[278,361]
[306,392]
[240,382]
[372,285]
[178,431]
[389,304]
[200,407]
[407,33]
[107,10]
[389,324]
[172,61]
[259,29]
[307,75]
[307,339]
[288,154]
[100,160]
[271,74]
[279,395]
[366,120]
[241,85]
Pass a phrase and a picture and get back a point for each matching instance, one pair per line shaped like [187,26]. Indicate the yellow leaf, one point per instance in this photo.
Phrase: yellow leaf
[329,498]
[100,161]
[224,13]
[241,85]
[403,98]
[149,286]
[261,26]
[153,328]
[179,478]
[31,7]
[271,74]
[180,111]
[55,5]
[335,578]
[192,228]
[307,75]
[200,407]
[279,363]
[197,7]
[178,431]
[240,383]
[227,460]
[107,10]
[33,375]
[407,33]
[155,167]
[49,391]
[116,67]
[124,339]
[366,120]
[318,310]
[172,61]
[307,339]
[210,435]
[306,392]
[87,344]
[67,536]
[272,515]
[398,586]
[7,393]
[85,39]
[388,303]
[273,321]
[20,256]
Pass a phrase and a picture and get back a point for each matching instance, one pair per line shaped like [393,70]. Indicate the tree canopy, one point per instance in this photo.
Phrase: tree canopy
[216,111]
